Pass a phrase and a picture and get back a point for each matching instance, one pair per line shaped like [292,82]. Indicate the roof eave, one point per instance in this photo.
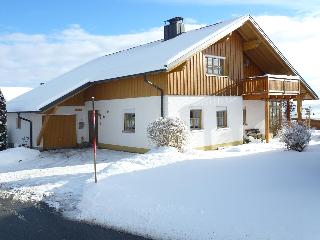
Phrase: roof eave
[88,84]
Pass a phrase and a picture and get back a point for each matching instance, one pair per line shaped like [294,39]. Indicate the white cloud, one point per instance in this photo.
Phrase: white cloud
[297,38]
[27,60]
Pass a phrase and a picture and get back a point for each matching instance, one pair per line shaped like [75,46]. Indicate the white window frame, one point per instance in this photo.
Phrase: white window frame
[244,116]
[222,109]
[201,119]
[18,123]
[206,66]
[125,129]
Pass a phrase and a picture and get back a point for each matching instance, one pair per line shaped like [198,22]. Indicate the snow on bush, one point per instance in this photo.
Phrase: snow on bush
[296,136]
[3,123]
[169,132]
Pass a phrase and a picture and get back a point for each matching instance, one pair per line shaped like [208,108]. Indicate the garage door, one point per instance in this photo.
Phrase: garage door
[60,132]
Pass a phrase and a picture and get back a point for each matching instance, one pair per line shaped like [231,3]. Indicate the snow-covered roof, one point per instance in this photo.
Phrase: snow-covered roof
[154,56]
[158,55]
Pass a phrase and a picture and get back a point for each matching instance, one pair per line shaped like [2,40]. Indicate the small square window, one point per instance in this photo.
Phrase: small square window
[215,65]
[195,119]
[129,122]
[222,121]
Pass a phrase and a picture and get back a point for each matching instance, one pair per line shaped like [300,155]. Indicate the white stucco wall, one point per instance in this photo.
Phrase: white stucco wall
[255,114]
[19,137]
[146,109]
[111,121]
[180,106]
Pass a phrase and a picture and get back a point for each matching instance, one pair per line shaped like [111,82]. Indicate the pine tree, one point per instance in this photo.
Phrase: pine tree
[3,123]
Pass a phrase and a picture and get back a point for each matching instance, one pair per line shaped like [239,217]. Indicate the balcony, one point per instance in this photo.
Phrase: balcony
[269,86]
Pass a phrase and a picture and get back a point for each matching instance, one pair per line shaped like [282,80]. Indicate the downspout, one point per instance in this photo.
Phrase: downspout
[158,88]
[30,123]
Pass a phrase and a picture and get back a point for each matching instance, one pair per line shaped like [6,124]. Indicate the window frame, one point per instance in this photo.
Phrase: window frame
[224,117]
[127,129]
[244,116]
[224,74]
[200,119]
[18,123]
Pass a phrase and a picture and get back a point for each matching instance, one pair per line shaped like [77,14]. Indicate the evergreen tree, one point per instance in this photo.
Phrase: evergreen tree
[3,123]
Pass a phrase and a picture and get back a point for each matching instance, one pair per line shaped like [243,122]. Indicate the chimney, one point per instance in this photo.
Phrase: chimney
[174,27]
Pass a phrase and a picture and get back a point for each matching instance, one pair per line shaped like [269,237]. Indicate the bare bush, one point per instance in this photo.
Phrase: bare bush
[296,136]
[169,131]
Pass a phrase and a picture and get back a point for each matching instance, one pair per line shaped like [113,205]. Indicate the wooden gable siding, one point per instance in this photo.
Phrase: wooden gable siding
[192,78]
[250,69]
[76,100]
[131,87]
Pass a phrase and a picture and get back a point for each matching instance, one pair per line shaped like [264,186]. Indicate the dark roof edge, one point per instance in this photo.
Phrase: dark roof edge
[86,85]
[24,112]
[69,94]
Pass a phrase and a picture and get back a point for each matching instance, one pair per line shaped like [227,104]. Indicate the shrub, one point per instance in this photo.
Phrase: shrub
[169,131]
[3,123]
[296,136]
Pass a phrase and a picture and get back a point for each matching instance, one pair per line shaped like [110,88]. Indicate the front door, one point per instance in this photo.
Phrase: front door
[90,121]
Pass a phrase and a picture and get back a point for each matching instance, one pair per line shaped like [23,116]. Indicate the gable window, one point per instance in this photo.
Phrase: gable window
[195,119]
[222,121]
[129,122]
[215,65]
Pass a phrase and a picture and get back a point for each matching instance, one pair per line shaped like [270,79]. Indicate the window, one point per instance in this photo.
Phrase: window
[244,116]
[195,119]
[18,123]
[81,125]
[215,65]
[222,117]
[129,122]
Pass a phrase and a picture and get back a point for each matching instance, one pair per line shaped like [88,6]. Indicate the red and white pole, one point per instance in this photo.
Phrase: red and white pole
[94,141]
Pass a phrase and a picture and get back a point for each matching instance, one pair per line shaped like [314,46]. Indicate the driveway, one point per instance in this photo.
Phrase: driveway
[38,221]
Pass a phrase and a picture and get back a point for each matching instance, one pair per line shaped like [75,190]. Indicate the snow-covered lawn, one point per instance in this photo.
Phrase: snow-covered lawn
[254,191]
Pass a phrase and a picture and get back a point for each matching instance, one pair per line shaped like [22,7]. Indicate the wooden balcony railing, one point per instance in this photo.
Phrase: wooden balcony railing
[271,85]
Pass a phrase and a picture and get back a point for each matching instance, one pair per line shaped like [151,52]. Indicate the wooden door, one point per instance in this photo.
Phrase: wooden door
[60,132]
[90,121]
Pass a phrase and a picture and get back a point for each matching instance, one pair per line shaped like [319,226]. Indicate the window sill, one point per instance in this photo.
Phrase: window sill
[128,131]
[223,129]
[215,75]
[196,130]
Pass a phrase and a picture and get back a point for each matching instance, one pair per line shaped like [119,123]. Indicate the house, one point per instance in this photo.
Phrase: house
[221,79]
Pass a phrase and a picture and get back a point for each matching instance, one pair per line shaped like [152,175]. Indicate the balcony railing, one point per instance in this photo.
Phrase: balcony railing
[271,85]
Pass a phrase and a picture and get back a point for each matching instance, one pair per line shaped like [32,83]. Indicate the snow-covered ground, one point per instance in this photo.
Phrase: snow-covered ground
[254,191]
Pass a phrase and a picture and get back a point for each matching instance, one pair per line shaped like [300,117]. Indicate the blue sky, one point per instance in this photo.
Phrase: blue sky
[118,17]
[40,40]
